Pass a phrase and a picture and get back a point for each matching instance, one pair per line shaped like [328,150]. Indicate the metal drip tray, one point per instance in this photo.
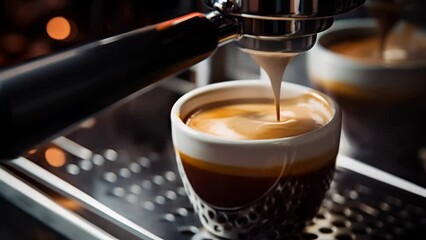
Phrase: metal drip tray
[119,173]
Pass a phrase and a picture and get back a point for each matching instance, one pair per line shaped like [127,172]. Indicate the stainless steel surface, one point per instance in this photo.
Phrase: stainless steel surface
[129,187]
[285,8]
[48,211]
[228,28]
[15,219]
[280,25]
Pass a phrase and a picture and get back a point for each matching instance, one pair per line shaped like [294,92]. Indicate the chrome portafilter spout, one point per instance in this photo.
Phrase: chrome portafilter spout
[288,26]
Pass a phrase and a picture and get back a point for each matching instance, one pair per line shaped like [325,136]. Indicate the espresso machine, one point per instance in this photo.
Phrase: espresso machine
[85,143]
[120,65]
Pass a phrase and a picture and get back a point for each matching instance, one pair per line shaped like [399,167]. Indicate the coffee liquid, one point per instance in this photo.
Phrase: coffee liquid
[255,118]
[274,65]
[403,47]
[386,13]
[250,203]
[278,193]
[240,203]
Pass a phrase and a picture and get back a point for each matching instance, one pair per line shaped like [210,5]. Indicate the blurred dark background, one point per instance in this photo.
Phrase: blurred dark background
[32,28]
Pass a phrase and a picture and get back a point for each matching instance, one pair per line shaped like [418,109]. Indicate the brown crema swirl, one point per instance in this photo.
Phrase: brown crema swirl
[256,118]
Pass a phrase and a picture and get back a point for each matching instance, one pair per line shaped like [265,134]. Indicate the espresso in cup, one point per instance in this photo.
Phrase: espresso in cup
[248,175]
[252,119]
[382,95]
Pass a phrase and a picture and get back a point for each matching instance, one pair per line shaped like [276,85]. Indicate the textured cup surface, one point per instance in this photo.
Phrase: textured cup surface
[252,188]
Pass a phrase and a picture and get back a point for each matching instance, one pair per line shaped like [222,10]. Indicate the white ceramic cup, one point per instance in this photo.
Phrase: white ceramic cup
[230,169]
[383,103]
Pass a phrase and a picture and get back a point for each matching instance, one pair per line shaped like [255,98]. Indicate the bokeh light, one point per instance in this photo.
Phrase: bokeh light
[58,28]
[55,157]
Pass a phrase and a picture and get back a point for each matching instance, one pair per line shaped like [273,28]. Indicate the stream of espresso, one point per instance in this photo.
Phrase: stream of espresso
[387,14]
[274,64]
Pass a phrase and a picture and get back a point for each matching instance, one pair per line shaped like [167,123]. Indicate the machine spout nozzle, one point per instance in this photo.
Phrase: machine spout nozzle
[288,26]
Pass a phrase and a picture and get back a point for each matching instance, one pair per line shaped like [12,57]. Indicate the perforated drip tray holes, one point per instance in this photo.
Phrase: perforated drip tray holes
[147,190]
[137,177]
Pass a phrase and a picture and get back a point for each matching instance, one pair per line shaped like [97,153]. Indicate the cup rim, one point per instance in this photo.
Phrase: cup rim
[366,24]
[177,121]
